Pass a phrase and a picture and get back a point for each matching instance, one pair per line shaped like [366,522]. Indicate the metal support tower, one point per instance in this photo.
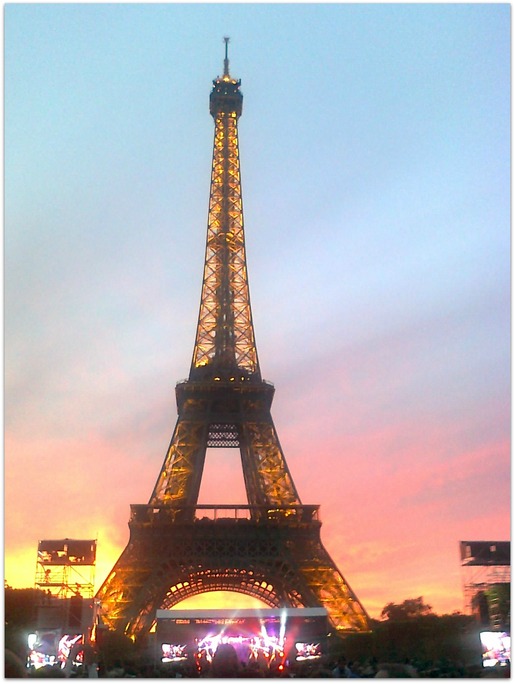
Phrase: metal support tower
[65,574]
[486,575]
[270,549]
[66,567]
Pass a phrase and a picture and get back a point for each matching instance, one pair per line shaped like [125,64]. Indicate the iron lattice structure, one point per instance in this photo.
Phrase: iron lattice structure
[270,549]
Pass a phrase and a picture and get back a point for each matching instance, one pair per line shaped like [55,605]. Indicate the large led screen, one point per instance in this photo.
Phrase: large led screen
[496,648]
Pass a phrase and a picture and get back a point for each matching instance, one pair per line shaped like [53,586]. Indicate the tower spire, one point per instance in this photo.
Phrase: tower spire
[225,346]
[226,60]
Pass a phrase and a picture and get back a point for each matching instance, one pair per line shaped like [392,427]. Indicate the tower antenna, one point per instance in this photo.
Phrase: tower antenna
[226,60]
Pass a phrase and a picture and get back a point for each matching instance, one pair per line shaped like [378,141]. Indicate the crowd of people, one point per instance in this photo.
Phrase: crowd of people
[226,665]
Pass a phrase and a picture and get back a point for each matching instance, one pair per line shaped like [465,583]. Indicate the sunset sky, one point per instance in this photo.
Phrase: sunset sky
[375,152]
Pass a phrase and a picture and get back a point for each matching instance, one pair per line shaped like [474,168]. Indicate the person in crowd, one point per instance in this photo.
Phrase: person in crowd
[13,668]
[395,671]
[342,669]
[117,671]
[225,662]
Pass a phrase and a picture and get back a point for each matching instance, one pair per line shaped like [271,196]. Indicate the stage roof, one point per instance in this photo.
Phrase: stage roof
[243,613]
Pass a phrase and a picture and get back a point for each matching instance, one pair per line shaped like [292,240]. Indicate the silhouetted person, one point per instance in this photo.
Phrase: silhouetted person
[342,669]
[225,662]
[14,668]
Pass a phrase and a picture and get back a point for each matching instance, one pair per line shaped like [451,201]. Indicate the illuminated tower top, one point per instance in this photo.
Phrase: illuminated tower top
[225,96]
[225,347]
[226,60]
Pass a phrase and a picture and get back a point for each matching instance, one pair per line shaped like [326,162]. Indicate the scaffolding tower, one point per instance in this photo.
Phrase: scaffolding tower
[486,572]
[65,576]
[66,567]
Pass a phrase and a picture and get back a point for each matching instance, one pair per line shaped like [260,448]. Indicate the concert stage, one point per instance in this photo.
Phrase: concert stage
[271,635]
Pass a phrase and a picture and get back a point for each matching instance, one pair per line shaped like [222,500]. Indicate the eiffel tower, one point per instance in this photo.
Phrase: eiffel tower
[270,549]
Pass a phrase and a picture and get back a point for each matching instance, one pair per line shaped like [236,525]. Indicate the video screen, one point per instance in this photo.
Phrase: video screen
[50,648]
[496,648]
[38,659]
[66,646]
[307,651]
[43,646]
[247,647]
[173,653]
[67,551]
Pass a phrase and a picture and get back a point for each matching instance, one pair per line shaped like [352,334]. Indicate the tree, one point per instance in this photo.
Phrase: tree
[436,645]
[407,610]
[497,598]
[20,608]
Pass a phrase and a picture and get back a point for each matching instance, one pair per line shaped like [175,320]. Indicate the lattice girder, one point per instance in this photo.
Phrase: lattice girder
[180,476]
[231,414]
[225,333]
[167,561]
[269,480]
